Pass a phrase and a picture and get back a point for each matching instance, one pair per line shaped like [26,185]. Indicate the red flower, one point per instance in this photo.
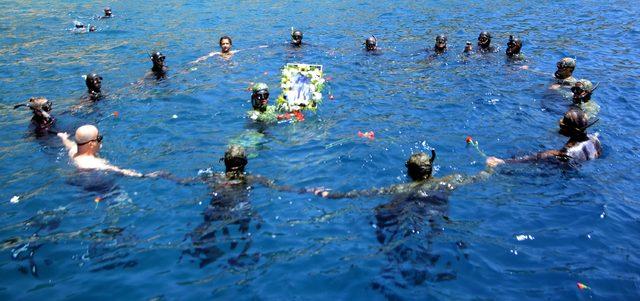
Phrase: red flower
[469,139]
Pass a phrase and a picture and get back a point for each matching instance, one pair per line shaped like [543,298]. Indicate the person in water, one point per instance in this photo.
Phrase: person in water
[79,27]
[159,69]
[419,169]
[513,49]
[94,86]
[580,147]
[41,109]
[371,43]
[107,13]
[441,44]
[564,74]
[84,152]
[468,48]
[262,111]
[225,50]
[296,38]
[484,43]
[582,91]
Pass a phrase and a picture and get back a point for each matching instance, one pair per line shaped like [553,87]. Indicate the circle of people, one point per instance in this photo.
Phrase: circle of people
[581,146]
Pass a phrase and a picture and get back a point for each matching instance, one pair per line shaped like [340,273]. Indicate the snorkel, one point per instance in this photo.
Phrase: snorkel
[296,37]
[565,68]
[441,44]
[420,166]
[484,40]
[157,58]
[40,107]
[94,83]
[582,91]
[574,125]
[513,46]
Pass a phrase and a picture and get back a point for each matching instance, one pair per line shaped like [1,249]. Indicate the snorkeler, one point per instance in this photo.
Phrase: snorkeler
[159,69]
[41,109]
[580,147]
[441,44]
[513,48]
[107,13]
[296,38]
[371,43]
[262,111]
[564,74]
[419,168]
[582,91]
[79,27]
[484,42]
[468,48]
[84,152]
[94,86]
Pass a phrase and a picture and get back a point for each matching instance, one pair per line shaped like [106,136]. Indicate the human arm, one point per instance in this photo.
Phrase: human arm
[71,146]
[204,58]
[545,155]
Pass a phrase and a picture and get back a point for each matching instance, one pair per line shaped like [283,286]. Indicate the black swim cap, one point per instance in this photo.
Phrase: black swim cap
[419,166]
[235,158]
[441,37]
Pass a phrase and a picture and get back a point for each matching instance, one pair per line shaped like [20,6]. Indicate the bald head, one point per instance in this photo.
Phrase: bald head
[86,133]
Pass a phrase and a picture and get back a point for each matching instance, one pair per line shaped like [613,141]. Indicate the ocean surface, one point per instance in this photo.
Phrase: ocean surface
[528,232]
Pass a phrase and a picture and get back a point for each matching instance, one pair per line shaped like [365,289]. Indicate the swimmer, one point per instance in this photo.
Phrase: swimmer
[419,169]
[513,48]
[564,74]
[580,147]
[296,38]
[225,50]
[468,48]
[107,13]
[484,42]
[94,86]
[41,109]
[92,28]
[84,152]
[262,111]
[79,27]
[582,91]
[441,44]
[159,69]
[371,43]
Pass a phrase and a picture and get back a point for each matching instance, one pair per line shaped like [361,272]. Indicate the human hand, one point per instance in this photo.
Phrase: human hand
[493,161]
[319,191]
[157,174]
[63,135]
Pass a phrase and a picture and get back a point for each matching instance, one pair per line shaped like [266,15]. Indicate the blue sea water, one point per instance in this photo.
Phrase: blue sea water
[530,231]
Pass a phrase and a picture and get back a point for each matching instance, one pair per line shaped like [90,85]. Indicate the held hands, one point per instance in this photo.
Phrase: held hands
[319,191]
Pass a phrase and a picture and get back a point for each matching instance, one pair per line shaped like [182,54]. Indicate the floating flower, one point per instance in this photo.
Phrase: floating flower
[370,135]
[97,199]
[582,286]
[116,114]
[469,139]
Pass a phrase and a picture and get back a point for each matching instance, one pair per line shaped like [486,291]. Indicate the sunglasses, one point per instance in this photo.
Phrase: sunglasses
[98,139]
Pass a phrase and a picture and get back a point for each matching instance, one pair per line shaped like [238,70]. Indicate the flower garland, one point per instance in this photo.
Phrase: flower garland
[301,86]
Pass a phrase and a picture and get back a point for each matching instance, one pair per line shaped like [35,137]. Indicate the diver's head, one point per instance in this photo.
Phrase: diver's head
[94,83]
[40,106]
[371,43]
[574,123]
[235,159]
[78,25]
[468,47]
[484,40]
[92,28]
[107,11]
[225,44]
[582,91]
[419,166]
[296,37]
[441,43]
[565,68]
[260,96]
[158,61]
[513,46]
[88,139]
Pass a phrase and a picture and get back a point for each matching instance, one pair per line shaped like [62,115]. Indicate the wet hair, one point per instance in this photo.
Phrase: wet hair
[235,159]
[575,123]
[419,166]
[297,33]
[223,38]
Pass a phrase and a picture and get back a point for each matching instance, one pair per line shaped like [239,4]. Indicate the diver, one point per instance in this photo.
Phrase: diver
[229,206]
[371,43]
[468,48]
[513,49]
[159,69]
[41,109]
[107,13]
[580,147]
[296,38]
[92,28]
[564,73]
[94,86]
[484,43]
[262,111]
[419,169]
[582,91]
[84,152]
[441,44]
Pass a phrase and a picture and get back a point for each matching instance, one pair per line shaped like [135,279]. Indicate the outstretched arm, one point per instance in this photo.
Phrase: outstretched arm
[126,172]
[204,58]
[71,146]
[546,155]
[326,193]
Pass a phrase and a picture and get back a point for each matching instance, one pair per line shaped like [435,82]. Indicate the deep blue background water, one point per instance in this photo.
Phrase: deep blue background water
[139,242]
